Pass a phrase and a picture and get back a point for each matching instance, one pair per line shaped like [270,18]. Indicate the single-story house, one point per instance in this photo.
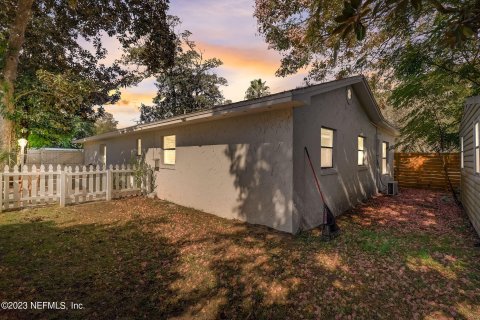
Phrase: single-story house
[470,160]
[246,160]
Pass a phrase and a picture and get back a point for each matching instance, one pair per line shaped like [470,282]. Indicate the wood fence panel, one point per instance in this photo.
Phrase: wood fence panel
[426,170]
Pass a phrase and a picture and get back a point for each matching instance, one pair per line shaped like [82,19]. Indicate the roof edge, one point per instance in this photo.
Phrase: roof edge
[252,104]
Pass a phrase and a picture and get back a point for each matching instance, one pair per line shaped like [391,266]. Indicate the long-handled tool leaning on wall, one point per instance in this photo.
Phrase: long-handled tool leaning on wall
[330,228]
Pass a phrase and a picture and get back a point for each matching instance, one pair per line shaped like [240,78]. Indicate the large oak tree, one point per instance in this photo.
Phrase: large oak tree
[411,51]
[53,40]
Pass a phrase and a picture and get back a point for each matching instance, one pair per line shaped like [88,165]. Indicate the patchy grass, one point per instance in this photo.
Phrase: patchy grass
[405,257]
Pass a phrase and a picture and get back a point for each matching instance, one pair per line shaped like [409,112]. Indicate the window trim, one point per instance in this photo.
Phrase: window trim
[385,168]
[325,147]
[166,149]
[364,151]
[103,153]
[462,154]
[476,146]
[139,147]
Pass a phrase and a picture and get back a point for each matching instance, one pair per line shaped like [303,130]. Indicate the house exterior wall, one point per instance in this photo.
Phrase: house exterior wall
[236,168]
[470,181]
[121,149]
[346,184]
[253,167]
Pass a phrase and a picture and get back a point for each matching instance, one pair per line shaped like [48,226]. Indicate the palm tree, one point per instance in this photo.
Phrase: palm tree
[257,89]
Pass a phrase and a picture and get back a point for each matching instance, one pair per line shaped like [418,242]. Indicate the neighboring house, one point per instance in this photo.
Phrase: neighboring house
[246,160]
[470,160]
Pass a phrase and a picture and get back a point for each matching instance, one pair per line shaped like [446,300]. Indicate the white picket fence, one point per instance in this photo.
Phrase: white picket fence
[32,186]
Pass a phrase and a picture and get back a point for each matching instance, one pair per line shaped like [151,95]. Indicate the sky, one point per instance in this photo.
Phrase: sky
[222,29]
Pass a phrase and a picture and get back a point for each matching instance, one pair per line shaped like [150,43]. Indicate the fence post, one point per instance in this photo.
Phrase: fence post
[63,188]
[109,185]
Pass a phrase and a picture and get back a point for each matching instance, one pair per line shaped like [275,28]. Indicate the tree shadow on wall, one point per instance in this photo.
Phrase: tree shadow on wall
[263,177]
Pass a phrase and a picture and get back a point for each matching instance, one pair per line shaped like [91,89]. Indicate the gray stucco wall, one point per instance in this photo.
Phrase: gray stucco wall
[470,181]
[346,184]
[235,168]
[238,167]
[253,167]
[121,149]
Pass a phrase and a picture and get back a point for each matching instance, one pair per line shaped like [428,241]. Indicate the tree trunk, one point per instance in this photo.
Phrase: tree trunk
[14,45]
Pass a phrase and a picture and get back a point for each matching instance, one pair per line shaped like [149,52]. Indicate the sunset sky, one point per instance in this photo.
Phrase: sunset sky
[223,29]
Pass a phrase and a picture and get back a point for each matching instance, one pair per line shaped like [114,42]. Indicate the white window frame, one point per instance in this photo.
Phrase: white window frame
[462,154]
[476,148]
[103,154]
[169,149]
[385,157]
[139,147]
[332,148]
[363,151]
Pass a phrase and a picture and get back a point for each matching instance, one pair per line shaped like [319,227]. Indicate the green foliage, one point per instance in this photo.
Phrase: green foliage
[8,158]
[340,38]
[52,109]
[105,123]
[421,56]
[142,170]
[257,89]
[62,80]
[44,136]
[430,101]
[187,86]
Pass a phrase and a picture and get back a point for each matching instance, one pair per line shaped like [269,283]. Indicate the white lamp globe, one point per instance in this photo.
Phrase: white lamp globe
[22,142]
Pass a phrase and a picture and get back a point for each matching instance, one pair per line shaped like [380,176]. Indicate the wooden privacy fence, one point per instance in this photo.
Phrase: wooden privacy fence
[426,171]
[32,186]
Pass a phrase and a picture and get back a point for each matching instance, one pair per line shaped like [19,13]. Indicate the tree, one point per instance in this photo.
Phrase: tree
[257,89]
[431,104]
[189,85]
[11,52]
[393,42]
[106,123]
[56,109]
[79,128]
[54,37]
[339,38]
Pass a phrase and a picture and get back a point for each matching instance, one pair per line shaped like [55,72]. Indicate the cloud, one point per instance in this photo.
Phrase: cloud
[126,110]
[222,29]
[256,58]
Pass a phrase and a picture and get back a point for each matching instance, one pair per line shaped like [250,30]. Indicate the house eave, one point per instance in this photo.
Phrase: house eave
[275,102]
[373,110]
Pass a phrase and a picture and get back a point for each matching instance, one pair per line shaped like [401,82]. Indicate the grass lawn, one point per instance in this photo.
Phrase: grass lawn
[406,257]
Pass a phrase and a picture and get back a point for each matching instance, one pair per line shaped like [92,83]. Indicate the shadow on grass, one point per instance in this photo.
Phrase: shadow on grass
[113,270]
[186,264]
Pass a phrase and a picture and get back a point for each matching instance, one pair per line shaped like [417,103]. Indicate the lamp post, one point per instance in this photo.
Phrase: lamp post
[22,142]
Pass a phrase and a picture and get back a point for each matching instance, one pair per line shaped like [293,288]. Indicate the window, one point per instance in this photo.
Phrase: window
[384,157]
[326,154]
[477,148]
[169,144]
[361,151]
[461,152]
[139,147]
[103,154]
